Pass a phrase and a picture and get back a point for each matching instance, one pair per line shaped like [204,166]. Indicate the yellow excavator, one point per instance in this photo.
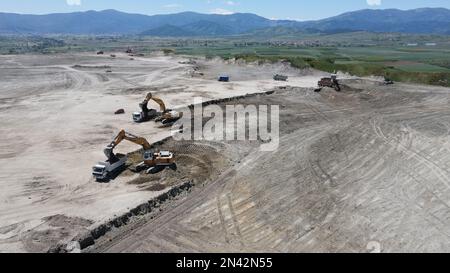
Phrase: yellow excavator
[153,161]
[165,116]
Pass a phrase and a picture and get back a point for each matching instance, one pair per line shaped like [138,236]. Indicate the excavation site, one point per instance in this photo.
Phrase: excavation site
[90,160]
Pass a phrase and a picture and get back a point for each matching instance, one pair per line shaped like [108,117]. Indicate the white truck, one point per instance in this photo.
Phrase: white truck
[104,171]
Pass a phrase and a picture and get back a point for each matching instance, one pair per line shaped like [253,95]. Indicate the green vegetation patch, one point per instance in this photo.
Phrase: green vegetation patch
[402,71]
[419,67]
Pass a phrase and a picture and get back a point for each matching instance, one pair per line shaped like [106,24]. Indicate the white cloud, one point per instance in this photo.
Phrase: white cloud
[221,11]
[173,6]
[73,2]
[230,3]
[373,2]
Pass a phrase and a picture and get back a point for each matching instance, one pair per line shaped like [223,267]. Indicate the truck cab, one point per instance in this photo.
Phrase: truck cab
[163,158]
[139,117]
[99,171]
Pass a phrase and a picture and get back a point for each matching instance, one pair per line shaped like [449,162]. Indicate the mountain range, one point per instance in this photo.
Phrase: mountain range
[189,24]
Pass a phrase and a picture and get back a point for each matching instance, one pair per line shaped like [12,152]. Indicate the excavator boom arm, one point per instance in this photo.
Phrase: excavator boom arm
[138,140]
[123,135]
[161,103]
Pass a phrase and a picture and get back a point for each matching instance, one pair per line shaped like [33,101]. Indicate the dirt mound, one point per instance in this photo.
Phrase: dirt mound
[54,229]
[196,161]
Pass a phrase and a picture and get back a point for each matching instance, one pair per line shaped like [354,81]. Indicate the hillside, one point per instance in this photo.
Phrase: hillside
[108,22]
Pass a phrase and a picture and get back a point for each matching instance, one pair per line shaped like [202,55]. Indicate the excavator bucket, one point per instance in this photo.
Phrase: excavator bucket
[108,151]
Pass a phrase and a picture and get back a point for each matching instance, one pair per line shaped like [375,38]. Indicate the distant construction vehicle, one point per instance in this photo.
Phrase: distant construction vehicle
[165,116]
[388,81]
[279,77]
[224,79]
[331,82]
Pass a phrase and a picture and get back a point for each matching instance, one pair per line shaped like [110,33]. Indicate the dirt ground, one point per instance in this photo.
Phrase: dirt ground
[57,115]
[367,169]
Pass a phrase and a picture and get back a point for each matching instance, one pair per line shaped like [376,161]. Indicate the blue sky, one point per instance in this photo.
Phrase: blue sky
[277,9]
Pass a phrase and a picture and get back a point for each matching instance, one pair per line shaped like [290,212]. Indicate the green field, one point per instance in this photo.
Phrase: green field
[422,67]
[360,54]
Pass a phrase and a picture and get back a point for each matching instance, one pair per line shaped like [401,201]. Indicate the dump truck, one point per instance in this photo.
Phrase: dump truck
[331,82]
[115,163]
[224,79]
[279,77]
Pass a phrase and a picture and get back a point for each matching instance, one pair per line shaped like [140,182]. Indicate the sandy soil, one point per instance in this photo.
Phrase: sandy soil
[367,169]
[57,116]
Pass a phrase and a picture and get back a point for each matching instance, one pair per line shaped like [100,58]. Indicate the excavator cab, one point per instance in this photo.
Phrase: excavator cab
[166,154]
[158,161]
[165,158]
